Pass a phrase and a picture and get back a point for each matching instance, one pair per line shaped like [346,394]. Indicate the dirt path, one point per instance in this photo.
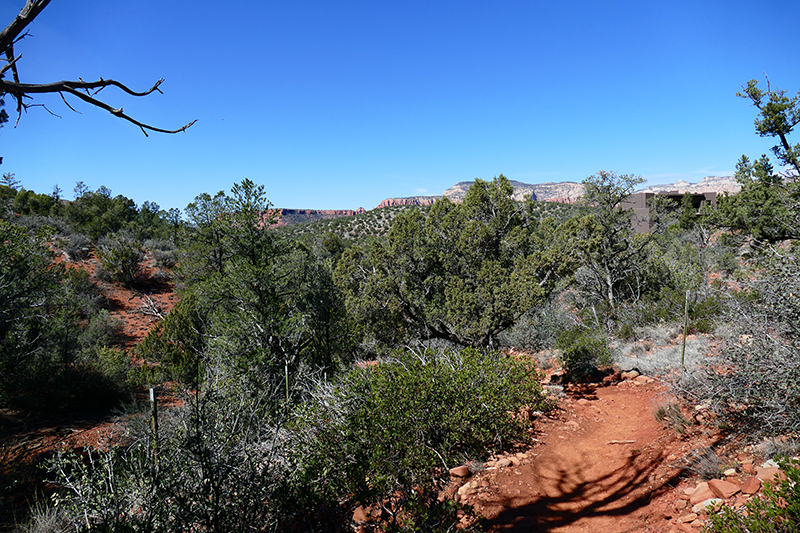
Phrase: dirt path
[602,463]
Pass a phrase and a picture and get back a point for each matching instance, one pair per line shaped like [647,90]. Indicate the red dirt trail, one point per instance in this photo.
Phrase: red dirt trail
[603,463]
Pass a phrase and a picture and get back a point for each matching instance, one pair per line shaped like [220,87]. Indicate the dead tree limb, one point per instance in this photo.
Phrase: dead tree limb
[86,91]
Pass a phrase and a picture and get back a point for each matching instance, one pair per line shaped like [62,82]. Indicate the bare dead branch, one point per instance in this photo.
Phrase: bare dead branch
[19,90]
[85,91]
[67,103]
[56,86]
[150,307]
[26,15]
[9,65]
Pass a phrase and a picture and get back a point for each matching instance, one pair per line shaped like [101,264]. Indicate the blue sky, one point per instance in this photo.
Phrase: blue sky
[338,105]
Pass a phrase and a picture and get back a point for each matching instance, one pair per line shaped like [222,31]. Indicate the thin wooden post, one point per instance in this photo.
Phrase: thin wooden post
[685,331]
[286,375]
[154,425]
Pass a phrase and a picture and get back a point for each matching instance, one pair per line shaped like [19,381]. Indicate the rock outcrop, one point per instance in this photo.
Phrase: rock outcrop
[717,184]
[297,216]
[410,200]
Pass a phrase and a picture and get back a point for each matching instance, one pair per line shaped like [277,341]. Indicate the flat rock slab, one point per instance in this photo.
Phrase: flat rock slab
[701,493]
[751,486]
[770,474]
[723,489]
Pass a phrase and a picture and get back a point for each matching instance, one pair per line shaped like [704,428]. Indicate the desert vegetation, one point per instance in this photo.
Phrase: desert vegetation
[340,363]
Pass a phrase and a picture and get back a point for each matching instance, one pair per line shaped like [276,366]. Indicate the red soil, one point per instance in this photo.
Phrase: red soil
[602,463]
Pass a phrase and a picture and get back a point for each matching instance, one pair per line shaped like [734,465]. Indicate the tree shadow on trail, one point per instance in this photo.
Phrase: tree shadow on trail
[566,495]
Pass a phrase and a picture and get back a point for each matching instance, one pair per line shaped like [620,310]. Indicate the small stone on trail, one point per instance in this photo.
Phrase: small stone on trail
[460,471]
[730,472]
[711,504]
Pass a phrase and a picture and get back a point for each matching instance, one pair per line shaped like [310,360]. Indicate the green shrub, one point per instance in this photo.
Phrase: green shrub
[404,422]
[101,377]
[218,467]
[538,328]
[164,252]
[122,259]
[78,247]
[583,350]
[103,330]
[176,342]
[776,511]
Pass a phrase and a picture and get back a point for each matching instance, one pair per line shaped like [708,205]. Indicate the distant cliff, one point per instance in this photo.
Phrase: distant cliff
[565,192]
[298,216]
[410,200]
[717,184]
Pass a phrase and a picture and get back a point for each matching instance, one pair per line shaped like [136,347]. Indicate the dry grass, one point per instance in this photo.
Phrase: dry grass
[659,361]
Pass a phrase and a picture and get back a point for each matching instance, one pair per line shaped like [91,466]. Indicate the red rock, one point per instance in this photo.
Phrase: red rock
[748,468]
[361,514]
[412,200]
[723,489]
[701,494]
[691,517]
[751,486]
[770,474]
[460,471]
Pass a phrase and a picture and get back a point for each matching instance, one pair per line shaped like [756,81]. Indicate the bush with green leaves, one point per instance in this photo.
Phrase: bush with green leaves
[583,350]
[121,258]
[539,328]
[78,247]
[164,252]
[777,510]
[404,422]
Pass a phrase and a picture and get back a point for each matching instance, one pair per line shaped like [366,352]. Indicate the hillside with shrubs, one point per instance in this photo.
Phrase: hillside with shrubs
[320,368]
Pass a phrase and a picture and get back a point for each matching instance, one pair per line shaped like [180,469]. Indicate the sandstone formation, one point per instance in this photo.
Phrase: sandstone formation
[411,200]
[458,192]
[717,184]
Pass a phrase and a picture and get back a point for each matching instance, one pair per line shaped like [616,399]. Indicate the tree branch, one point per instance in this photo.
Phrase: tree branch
[19,90]
[26,15]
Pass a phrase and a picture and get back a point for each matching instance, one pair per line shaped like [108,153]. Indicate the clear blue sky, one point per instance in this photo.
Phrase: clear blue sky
[340,104]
